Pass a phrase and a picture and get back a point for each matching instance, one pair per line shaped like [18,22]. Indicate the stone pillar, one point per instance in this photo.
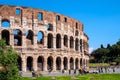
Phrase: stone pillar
[62,46]
[0,21]
[24,62]
[73,64]
[54,26]
[54,64]
[45,41]
[12,21]
[68,64]
[54,42]
[35,38]
[68,42]
[11,38]
[24,22]
[62,66]
[35,63]
[24,39]
[45,65]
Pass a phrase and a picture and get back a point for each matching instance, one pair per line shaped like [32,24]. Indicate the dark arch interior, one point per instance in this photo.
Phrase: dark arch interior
[65,62]
[19,63]
[58,41]
[6,36]
[29,63]
[50,63]
[58,63]
[17,37]
[71,63]
[50,41]
[40,63]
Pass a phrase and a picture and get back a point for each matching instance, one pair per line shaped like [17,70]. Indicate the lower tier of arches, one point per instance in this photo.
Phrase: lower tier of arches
[54,63]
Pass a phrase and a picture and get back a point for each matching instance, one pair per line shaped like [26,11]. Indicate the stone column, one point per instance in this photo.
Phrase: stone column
[11,38]
[54,64]
[73,64]
[62,66]
[24,62]
[78,63]
[45,41]
[73,44]
[35,63]
[0,21]
[68,64]
[45,65]
[24,39]
[12,21]
[68,42]
[35,38]
[54,42]
[62,46]
[54,26]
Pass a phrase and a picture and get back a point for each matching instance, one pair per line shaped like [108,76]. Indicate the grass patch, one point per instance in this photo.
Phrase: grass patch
[79,77]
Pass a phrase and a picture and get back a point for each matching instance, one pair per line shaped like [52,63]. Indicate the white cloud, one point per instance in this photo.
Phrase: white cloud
[91,49]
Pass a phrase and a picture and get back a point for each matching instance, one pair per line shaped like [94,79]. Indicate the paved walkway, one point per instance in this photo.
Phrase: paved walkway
[59,73]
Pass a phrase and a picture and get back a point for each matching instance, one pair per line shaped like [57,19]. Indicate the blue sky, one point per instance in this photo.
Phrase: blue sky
[101,18]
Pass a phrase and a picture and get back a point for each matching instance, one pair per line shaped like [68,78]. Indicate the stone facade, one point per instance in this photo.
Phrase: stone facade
[44,40]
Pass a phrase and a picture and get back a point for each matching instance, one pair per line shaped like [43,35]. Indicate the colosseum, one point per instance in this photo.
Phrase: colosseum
[44,40]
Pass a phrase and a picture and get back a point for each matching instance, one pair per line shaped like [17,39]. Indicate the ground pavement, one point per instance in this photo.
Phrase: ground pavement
[59,73]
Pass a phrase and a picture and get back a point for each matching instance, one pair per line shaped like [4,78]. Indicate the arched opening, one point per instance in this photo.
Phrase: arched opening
[57,18]
[6,23]
[76,44]
[50,63]
[50,41]
[71,63]
[76,25]
[65,63]
[40,38]
[29,36]
[65,19]
[17,37]
[40,16]
[80,45]
[19,60]
[40,63]
[50,27]
[66,41]
[6,36]
[71,42]
[58,41]
[76,63]
[81,62]
[18,11]
[76,33]
[29,63]
[58,63]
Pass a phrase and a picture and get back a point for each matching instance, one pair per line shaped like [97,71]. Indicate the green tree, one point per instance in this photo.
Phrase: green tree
[8,61]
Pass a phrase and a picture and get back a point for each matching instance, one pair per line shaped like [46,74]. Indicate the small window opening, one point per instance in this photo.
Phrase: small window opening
[18,11]
[57,18]
[65,19]
[6,24]
[40,16]
[76,25]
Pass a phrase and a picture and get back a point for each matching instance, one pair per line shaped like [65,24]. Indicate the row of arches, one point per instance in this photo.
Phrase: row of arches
[77,44]
[59,62]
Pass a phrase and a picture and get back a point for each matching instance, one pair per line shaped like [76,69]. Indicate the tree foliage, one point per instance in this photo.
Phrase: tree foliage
[8,61]
[107,55]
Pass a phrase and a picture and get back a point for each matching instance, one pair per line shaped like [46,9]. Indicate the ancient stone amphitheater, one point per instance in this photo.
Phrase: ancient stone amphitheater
[44,40]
